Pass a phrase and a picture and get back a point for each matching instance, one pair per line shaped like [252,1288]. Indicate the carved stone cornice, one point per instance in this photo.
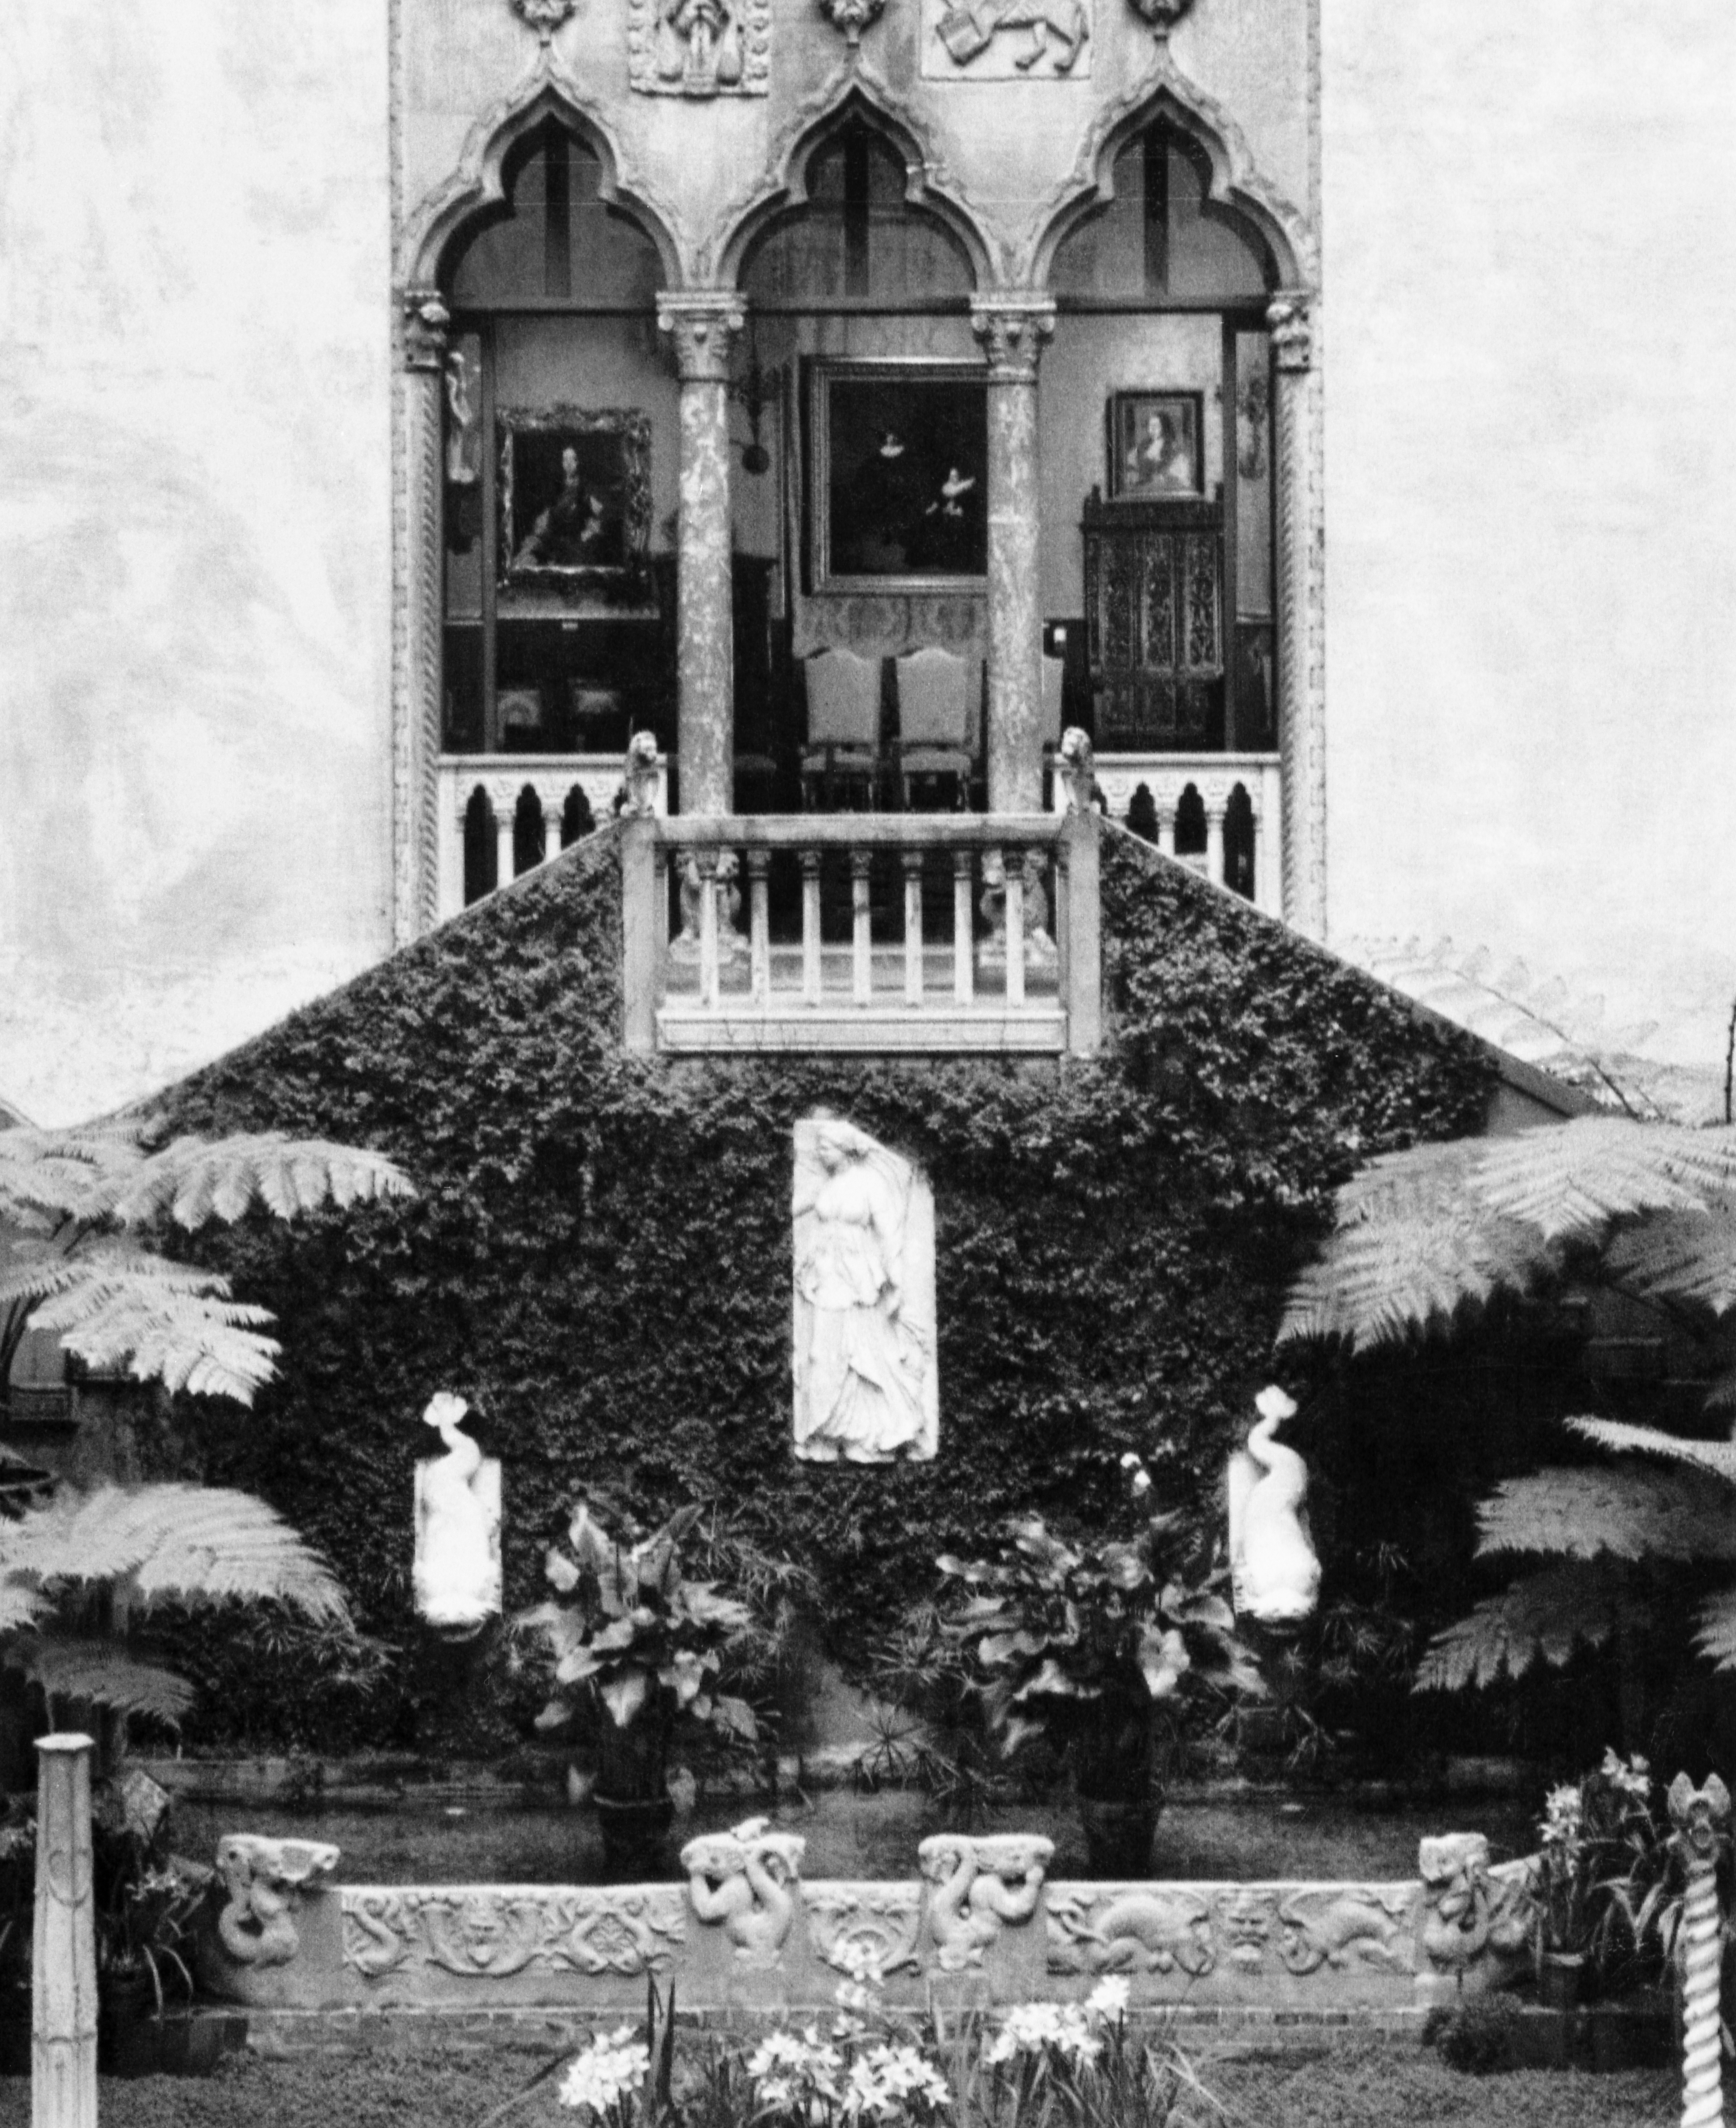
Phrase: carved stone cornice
[852,17]
[1289,316]
[425,319]
[1161,15]
[702,323]
[544,17]
[1013,328]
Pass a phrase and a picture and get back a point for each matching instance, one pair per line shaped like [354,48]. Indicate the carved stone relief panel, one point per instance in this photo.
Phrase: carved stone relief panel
[699,48]
[747,1882]
[856,1925]
[264,1879]
[1165,1928]
[1005,40]
[978,1887]
[490,1933]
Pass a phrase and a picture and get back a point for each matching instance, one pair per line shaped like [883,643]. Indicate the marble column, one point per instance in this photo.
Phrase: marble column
[1302,738]
[63,1965]
[417,646]
[1013,328]
[702,324]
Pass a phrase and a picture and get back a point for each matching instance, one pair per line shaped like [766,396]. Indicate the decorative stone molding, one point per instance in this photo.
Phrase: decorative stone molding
[544,17]
[961,39]
[1159,1928]
[64,1949]
[699,48]
[1160,16]
[702,325]
[425,319]
[1701,1817]
[850,1925]
[264,1879]
[1013,328]
[980,1887]
[1341,1926]
[1289,320]
[484,1932]
[747,1882]
[852,17]
[1477,1924]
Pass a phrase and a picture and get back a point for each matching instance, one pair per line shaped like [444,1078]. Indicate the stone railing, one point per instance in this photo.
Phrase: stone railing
[745,1929]
[869,932]
[511,792]
[1221,781]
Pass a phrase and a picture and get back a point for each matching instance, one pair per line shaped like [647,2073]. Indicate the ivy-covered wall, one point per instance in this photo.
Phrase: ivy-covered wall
[600,1258]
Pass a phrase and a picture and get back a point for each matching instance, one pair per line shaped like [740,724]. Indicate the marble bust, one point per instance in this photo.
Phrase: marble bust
[456,1578]
[867,1385]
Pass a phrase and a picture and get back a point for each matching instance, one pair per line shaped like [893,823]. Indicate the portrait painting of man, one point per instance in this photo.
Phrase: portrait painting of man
[574,494]
[899,473]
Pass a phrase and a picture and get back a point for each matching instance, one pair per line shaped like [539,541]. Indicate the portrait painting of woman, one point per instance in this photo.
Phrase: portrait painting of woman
[1154,445]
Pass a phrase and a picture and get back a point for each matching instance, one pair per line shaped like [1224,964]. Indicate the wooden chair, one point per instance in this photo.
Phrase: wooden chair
[843,747]
[935,723]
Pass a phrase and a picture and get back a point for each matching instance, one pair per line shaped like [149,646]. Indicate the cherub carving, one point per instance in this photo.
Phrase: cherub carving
[747,1880]
[979,1885]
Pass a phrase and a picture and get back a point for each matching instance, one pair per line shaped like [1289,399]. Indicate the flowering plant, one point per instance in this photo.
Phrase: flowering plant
[601,2083]
[1607,1881]
[869,2069]
[1078,2063]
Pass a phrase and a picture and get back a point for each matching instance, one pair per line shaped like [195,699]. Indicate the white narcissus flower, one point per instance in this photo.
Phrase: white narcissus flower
[605,2073]
[1109,2000]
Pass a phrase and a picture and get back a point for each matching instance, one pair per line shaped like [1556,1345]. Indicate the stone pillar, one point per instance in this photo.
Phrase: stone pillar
[1302,738]
[417,618]
[702,324]
[64,1968]
[1013,328]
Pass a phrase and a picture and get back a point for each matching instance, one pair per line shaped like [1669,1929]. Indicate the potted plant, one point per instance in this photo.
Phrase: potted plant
[1608,1898]
[1102,1650]
[635,1640]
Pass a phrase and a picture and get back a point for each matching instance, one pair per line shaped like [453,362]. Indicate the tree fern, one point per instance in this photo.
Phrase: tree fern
[1688,1256]
[1626,1513]
[96,1672]
[1547,1615]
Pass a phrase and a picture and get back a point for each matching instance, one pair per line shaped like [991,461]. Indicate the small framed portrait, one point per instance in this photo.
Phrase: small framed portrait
[1156,445]
[897,476]
[575,495]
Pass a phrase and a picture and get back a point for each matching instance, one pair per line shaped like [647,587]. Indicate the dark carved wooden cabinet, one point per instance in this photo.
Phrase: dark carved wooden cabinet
[1154,622]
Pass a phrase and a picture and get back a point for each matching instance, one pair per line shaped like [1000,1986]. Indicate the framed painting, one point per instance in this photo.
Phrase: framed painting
[897,456]
[1156,445]
[575,495]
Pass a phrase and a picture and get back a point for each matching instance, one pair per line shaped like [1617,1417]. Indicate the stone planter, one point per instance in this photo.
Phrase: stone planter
[1562,1977]
[635,1832]
[1118,1833]
[634,1806]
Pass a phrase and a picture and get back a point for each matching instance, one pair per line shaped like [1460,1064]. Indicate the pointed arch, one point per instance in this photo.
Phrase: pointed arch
[853,97]
[477,191]
[1217,143]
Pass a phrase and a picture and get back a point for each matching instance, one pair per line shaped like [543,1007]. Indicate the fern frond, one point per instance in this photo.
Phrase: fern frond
[1718,1457]
[61,1173]
[21,1604]
[195,1180]
[1689,1255]
[1412,1243]
[1571,1180]
[1626,1512]
[33,1270]
[1547,1615]
[1721,1396]
[1716,1636]
[179,1542]
[100,1670]
[162,1329]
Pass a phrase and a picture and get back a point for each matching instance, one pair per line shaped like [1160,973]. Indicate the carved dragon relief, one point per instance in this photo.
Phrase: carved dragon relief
[1157,1929]
[264,1879]
[980,1887]
[491,1934]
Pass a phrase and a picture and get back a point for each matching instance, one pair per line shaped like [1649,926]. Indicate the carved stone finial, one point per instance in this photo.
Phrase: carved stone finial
[544,17]
[852,17]
[1161,15]
[425,319]
[644,775]
[1701,1817]
[264,1879]
[1077,763]
[1289,318]
[702,324]
[1013,328]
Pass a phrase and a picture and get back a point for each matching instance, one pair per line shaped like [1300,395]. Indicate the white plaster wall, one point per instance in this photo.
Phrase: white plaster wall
[195,572]
[1531,468]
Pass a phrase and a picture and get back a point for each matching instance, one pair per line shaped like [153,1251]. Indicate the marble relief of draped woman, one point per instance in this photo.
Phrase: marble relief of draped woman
[865,1364]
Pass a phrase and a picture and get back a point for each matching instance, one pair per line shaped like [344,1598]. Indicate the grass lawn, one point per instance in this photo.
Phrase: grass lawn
[1351,2084]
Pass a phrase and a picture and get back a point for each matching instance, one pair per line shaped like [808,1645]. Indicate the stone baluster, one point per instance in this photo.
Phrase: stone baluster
[504,805]
[759,925]
[1013,328]
[1167,802]
[811,963]
[1217,801]
[964,943]
[1262,900]
[861,962]
[702,324]
[552,811]
[1014,871]
[63,1965]
[419,559]
[1301,742]
[710,959]
[912,927]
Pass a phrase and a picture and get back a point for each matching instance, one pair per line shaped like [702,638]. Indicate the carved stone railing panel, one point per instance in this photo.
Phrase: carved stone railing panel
[502,778]
[1164,778]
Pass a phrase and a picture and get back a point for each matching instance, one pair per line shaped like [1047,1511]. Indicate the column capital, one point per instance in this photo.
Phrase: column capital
[1290,318]
[425,319]
[702,324]
[1012,326]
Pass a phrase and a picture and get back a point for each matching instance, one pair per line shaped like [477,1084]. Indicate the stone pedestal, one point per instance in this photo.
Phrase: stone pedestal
[1301,741]
[1013,328]
[703,324]
[64,1968]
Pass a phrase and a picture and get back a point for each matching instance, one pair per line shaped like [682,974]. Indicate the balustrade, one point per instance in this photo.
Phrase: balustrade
[1215,779]
[490,789]
[1016,969]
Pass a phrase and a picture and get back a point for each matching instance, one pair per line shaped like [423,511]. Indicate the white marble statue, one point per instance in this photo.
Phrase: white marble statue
[867,1385]
[1273,1572]
[456,1573]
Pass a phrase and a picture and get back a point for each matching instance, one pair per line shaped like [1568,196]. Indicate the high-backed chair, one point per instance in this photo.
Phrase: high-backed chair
[843,749]
[935,723]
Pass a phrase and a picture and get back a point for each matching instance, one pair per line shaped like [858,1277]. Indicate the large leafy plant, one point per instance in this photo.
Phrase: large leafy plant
[629,1632]
[1424,1237]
